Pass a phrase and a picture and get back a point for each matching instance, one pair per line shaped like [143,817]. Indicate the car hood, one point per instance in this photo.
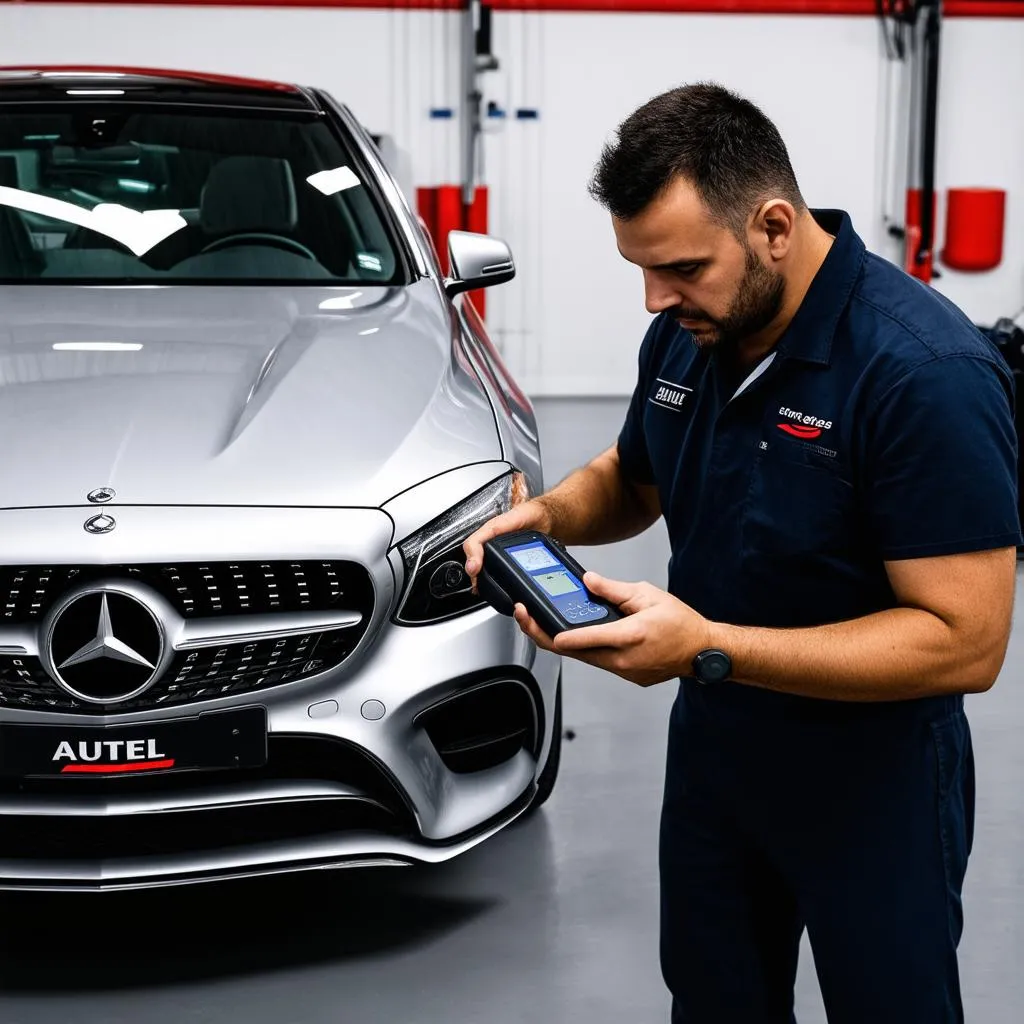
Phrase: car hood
[232,396]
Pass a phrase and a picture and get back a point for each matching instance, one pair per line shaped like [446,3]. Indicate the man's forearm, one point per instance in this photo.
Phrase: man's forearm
[595,505]
[898,654]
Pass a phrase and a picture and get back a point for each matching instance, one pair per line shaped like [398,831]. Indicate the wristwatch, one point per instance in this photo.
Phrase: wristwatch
[712,666]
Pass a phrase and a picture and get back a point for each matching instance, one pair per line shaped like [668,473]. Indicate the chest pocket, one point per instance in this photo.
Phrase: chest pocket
[800,505]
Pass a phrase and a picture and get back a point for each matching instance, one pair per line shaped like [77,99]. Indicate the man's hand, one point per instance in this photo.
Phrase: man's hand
[530,515]
[656,641]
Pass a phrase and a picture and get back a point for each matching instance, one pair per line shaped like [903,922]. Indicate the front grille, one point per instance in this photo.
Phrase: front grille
[25,684]
[243,668]
[195,675]
[197,589]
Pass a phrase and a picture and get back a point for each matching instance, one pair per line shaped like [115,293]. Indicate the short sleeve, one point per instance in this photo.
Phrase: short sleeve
[634,456]
[942,461]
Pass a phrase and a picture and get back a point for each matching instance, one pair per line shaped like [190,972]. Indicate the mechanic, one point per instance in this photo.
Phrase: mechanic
[832,446]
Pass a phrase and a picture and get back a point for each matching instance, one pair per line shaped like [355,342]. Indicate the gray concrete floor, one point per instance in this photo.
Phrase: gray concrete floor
[555,920]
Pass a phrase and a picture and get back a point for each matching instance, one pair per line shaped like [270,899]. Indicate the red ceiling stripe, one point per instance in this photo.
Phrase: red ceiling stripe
[855,7]
[950,9]
[434,5]
[864,8]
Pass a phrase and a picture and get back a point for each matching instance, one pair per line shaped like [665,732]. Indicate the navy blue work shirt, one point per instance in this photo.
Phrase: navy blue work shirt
[880,427]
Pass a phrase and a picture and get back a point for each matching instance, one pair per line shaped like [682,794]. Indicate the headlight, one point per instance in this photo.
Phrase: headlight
[437,586]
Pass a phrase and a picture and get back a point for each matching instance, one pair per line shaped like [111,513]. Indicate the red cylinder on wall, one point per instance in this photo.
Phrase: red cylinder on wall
[975,220]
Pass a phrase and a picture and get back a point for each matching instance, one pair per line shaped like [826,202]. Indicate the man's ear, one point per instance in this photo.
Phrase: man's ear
[773,225]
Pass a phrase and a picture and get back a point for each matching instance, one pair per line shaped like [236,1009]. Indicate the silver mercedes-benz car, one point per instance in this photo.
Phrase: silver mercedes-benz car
[248,423]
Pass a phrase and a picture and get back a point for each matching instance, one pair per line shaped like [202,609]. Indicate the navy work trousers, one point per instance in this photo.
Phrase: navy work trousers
[853,821]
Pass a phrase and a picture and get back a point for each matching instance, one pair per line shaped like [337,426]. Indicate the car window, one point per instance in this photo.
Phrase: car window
[157,194]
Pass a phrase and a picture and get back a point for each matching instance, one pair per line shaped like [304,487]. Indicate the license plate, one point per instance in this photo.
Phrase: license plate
[236,738]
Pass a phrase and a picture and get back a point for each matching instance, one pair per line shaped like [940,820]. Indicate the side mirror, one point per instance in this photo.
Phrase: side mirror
[477,261]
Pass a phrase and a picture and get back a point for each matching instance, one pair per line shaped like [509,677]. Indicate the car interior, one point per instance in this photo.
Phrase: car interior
[216,199]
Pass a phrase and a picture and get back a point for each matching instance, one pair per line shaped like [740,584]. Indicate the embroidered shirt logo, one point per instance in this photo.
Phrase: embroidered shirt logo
[803,426]
[669,395]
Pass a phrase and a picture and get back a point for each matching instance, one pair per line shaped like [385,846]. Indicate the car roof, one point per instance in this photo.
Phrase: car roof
[45,83]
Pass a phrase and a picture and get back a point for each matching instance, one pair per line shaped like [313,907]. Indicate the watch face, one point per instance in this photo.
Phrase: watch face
[713,666]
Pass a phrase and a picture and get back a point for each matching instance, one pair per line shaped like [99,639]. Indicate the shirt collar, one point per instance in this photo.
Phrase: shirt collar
[809,334]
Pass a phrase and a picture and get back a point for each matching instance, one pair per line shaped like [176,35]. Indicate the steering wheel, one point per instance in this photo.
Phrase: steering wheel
[244,238]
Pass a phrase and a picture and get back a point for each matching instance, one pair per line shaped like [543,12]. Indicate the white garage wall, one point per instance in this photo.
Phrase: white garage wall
[571,321]
[597,68]
[823,81]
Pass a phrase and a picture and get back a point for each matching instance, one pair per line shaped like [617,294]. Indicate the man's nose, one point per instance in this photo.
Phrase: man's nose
[660,294]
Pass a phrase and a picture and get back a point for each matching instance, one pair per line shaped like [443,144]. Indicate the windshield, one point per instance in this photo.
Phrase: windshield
[156,194]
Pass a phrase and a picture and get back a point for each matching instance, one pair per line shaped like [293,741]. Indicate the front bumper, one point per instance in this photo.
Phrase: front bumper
[357,774]
[244,860]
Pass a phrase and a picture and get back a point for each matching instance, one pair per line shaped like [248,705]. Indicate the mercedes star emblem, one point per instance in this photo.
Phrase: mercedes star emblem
[100,524]
[101,494]
[104,646]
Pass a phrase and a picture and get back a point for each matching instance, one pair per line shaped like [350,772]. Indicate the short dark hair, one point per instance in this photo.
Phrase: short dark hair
[720,142]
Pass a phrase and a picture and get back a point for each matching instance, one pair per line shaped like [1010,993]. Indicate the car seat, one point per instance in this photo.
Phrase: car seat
[248,194]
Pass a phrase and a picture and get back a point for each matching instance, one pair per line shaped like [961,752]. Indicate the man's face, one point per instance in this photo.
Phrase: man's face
[698,271]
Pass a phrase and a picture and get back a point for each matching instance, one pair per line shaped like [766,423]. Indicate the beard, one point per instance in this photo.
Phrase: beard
[757,303]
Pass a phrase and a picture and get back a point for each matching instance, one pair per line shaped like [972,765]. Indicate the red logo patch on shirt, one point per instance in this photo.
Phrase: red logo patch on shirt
[799,430]
[805,426]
